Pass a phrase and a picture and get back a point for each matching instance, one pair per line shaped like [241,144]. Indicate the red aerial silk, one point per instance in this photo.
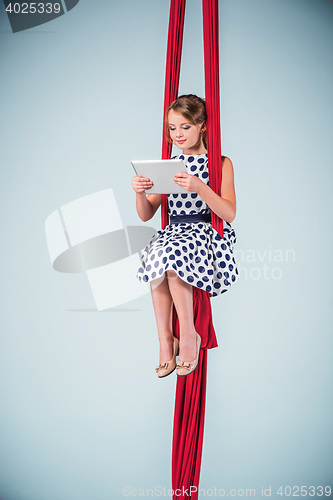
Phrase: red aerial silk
[189,413]
[172,72]
[212,89]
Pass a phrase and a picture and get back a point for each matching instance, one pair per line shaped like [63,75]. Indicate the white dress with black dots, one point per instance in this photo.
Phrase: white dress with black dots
[194,250]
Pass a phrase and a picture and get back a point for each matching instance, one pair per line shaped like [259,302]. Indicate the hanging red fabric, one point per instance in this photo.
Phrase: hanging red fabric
[212,91]
[172,72]
[189,413]
[190,401]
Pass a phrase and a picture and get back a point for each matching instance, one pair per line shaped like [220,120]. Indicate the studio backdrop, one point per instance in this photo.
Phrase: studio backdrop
[83,415]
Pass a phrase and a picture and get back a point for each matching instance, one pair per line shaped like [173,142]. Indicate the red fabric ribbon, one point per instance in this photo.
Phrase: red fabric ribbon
[172,72]
[189,413]
[212,89]
[190,402]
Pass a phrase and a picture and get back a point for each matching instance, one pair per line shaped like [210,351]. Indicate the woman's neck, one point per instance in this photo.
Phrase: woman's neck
[196,150]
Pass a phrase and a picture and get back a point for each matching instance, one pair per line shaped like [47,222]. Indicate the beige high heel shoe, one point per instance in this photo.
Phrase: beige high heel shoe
[165,369]
[184,368]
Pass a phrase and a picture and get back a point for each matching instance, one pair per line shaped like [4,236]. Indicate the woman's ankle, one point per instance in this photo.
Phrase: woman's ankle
[189,334]
[187,346]
[165,338]
[166,348]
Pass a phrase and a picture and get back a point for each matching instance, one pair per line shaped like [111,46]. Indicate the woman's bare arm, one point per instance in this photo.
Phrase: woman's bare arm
[225,205]
[146,206]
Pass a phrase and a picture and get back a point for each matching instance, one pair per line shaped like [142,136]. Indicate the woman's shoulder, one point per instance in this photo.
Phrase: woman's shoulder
[226,162]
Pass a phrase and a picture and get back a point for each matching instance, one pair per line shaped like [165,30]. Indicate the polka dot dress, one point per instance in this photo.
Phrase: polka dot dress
[194,250]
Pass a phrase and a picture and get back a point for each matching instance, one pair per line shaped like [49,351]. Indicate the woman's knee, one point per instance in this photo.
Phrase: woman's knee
[156,282]
[171,274]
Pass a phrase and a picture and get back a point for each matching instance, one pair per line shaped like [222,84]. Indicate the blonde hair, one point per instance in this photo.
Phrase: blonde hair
[193,108]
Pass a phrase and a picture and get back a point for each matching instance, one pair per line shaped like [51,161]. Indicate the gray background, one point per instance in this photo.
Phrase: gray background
[82,412]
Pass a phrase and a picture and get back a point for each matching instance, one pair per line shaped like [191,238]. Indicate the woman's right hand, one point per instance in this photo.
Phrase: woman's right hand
[141,184]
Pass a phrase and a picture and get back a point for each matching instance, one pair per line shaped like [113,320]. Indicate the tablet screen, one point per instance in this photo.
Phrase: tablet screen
[161,172]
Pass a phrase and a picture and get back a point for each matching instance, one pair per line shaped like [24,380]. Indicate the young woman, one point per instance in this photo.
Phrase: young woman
[188,252]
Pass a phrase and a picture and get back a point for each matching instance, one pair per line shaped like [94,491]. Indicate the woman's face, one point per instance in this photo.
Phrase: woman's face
[183,133]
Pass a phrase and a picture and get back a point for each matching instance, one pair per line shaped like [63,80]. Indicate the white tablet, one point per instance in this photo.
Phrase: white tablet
[161,172]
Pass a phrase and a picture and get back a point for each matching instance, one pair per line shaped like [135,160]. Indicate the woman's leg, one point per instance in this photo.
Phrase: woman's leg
[162,302]
[182,295]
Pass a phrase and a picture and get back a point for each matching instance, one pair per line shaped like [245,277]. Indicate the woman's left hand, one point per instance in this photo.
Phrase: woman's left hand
[188,181]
